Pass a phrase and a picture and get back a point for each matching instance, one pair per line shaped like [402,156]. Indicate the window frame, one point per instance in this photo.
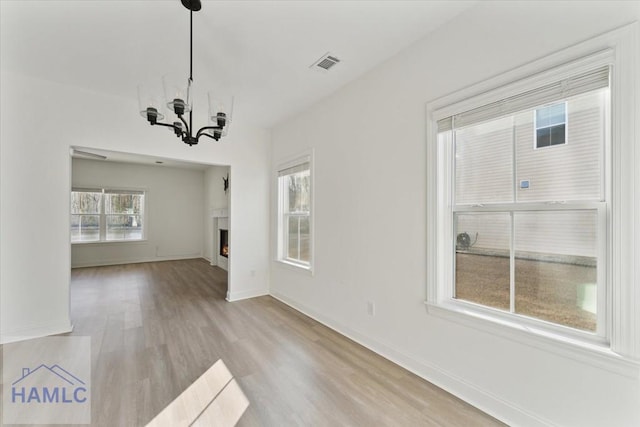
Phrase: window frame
[283,216]
[103,215]
[536,128]
[598,204]
[620,350]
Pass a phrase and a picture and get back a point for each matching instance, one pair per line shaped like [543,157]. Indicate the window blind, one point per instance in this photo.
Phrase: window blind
[86,190]
[575,85]
[99,190]
[294,169]
[123,192]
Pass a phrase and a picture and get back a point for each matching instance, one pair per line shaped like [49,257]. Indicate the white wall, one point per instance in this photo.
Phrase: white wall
[174,212]
[370,218]
[215,198]
[39,121]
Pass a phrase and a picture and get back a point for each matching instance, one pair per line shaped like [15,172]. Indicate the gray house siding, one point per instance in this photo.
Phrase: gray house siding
[485,173]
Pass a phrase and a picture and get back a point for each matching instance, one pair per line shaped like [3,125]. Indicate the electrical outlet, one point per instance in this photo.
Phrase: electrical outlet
[371,308]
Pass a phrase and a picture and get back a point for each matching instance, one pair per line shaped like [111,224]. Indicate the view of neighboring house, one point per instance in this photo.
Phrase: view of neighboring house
[501,159]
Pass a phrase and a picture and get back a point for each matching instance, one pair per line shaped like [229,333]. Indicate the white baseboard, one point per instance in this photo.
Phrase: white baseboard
[52,328]
[484,400]
[103,263]
[249,293]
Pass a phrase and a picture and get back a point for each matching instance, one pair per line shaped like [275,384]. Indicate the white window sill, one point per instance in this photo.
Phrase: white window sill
[294,266]
[592,353]
[109,242]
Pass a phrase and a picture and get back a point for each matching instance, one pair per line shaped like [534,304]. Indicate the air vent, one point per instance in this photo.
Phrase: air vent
[326,62]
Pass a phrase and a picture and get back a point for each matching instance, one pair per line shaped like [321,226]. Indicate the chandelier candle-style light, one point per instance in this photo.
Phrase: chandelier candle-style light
[178,97]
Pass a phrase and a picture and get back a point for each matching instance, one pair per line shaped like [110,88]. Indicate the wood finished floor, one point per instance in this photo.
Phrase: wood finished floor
[157,327]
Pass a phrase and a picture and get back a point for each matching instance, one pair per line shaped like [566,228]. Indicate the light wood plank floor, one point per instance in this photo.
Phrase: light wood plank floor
[157,327]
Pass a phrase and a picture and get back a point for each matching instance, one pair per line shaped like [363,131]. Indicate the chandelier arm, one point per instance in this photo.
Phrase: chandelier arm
[201,131]
[165,125]
[204,134]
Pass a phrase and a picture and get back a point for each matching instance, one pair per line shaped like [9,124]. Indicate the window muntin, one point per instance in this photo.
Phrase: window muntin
[101,215]
[294,214]
[517,236]
[551,125]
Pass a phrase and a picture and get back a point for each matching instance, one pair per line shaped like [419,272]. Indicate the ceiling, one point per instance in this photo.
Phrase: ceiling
[259,51]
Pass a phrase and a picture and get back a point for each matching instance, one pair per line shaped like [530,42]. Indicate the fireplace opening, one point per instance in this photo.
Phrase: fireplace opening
[224,243]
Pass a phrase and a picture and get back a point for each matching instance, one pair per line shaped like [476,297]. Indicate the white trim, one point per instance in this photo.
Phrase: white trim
[303,157]
[109,242]
[594,354]
[293,162]
[121,261]
[539,73]
[618,48]
[220,213]
[625,249]
[50,328]
[246,294]
[292,266]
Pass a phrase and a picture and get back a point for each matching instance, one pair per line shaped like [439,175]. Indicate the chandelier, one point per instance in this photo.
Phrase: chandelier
[178,98]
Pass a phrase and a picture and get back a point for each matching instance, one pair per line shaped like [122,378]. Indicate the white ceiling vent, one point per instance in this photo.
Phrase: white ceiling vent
[326,62]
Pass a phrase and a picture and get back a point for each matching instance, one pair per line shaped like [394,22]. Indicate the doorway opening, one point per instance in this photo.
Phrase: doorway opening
[174,223]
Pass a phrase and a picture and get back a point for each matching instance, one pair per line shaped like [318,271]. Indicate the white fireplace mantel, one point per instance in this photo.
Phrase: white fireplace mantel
[220,213]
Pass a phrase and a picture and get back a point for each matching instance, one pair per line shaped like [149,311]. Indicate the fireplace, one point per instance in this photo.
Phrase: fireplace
[220,238]
[224,243]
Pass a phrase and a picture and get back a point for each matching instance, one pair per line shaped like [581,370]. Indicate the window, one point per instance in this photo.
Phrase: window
[551,125]
[538,245]
[101,215]
[523,233]
[533,251]
[294,213]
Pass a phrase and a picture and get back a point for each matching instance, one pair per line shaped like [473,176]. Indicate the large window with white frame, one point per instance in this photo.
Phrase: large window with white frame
[294,213]
[533,200]
[528,224]
[107,215]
